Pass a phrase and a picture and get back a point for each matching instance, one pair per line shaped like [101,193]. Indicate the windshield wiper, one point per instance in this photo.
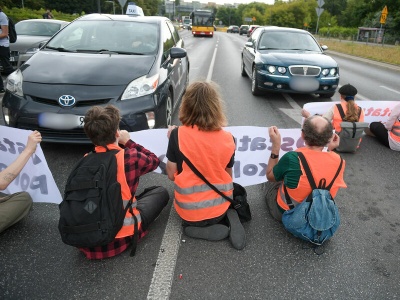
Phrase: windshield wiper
[60,49]
[267,48]
[106,51]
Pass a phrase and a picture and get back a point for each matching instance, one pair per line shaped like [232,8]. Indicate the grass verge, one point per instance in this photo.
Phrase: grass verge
[387,54]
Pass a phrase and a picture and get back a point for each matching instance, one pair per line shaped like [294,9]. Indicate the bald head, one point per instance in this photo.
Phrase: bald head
[317,131]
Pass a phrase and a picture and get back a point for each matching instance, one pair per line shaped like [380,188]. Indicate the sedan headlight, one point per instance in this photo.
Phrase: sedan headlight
[332,72]
[141,87]
[271,69]
[282,70]
[14,83]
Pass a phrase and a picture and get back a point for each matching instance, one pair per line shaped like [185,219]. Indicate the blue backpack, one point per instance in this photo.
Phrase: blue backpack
[317,218]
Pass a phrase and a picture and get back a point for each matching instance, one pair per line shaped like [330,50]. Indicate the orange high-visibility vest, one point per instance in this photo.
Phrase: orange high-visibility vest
[337,118]
[322,165]
[210,153]
[395,132]
[129,222]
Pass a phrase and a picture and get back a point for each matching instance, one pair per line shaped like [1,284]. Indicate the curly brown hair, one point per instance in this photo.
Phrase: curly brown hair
[203,106]
[101,124]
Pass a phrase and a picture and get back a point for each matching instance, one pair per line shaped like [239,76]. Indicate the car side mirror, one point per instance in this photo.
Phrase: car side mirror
[249,44]
[324,47]
[177,53]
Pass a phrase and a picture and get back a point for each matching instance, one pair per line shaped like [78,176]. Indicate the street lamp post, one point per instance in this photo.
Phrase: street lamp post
[113,3]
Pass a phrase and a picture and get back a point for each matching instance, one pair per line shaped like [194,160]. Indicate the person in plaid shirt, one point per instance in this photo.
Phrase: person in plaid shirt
[102,127]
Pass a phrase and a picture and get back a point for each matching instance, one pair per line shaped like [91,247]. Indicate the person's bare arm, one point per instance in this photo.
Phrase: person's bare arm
[275,138]
[4,31]
[12,171]
[171,170]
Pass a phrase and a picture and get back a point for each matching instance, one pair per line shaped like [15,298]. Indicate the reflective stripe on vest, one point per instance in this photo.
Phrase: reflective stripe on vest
[203,188]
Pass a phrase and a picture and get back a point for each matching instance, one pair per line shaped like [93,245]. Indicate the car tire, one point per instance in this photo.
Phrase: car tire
[244,74]
[254,84]
[328,95]
[168,109]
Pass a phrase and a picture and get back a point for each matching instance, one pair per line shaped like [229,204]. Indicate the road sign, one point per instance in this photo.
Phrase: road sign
[384,15]
[321,3]
[253,19]
[247,19]
[122,2]
[319,11]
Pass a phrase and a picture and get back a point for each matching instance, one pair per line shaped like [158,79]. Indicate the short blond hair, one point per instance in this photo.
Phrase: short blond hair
[203,106]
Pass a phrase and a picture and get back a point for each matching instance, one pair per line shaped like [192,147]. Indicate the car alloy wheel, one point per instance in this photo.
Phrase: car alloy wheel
[168,109]
[244,74]
[254,83]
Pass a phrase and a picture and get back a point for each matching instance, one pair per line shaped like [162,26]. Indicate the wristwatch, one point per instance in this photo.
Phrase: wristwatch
[274,156]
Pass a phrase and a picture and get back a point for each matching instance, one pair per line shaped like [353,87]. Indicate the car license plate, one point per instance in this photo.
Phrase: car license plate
[60,121]
[302,84]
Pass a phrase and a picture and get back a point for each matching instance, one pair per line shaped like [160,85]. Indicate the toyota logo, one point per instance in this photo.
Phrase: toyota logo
[66,100]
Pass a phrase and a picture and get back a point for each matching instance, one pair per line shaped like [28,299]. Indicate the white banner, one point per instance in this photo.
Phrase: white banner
[251,155]
[35,178]
[375,111]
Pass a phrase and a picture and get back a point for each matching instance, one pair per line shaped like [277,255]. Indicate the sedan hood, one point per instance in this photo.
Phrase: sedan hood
[297,58]
[85,69]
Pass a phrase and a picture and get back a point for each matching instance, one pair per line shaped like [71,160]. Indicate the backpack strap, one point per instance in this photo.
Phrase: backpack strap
[310,178]
[341,111]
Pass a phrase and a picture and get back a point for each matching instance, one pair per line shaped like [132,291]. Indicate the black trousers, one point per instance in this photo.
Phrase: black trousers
[380,132]
[150,203]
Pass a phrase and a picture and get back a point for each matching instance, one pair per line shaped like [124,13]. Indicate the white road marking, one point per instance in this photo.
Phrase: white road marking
[294,112]
[389,89]
[161,283]
[210,70]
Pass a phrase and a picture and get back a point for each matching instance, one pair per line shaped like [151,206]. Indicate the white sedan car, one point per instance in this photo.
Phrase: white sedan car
[30,34]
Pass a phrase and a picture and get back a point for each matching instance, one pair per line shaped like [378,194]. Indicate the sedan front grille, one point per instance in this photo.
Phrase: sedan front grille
[304,70]
[83,103]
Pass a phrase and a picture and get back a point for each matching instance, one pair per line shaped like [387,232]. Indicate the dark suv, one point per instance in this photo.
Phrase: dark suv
[243,29]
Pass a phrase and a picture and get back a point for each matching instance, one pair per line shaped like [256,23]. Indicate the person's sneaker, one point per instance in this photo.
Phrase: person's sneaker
[211,233]
[237,235]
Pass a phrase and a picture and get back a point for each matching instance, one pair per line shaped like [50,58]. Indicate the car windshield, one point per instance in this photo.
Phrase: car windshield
[37,28]
[279,40]
[107,37]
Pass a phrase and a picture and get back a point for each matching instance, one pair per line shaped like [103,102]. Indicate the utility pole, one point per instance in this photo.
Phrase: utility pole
[319,10]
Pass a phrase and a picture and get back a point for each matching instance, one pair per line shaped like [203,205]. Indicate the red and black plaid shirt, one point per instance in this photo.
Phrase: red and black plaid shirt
[138,161]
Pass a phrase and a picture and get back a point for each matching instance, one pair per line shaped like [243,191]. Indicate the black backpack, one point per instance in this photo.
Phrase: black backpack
[12,34]
[92,211]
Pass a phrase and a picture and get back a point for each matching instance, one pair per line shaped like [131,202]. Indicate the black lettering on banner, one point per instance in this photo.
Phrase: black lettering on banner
[39,182]
[24,181]
[11,145]
[249,169]
[21,147]
[258,143]
[245,140]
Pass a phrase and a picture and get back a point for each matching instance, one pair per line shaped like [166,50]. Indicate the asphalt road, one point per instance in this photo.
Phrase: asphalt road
[360,262]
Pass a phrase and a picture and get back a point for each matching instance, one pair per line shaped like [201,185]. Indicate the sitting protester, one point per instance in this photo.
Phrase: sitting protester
[288,171]
[211,149]
[346,111]
[388,133]
[353,113]
[16,206]
[133,160]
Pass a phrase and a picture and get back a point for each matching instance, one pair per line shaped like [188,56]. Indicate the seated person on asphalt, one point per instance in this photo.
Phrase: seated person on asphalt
[317,133]
[16,206]
[211,149]
[102,127]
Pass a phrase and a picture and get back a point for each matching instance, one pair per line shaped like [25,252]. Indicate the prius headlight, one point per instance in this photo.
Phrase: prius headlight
[14,83]
[141,87]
